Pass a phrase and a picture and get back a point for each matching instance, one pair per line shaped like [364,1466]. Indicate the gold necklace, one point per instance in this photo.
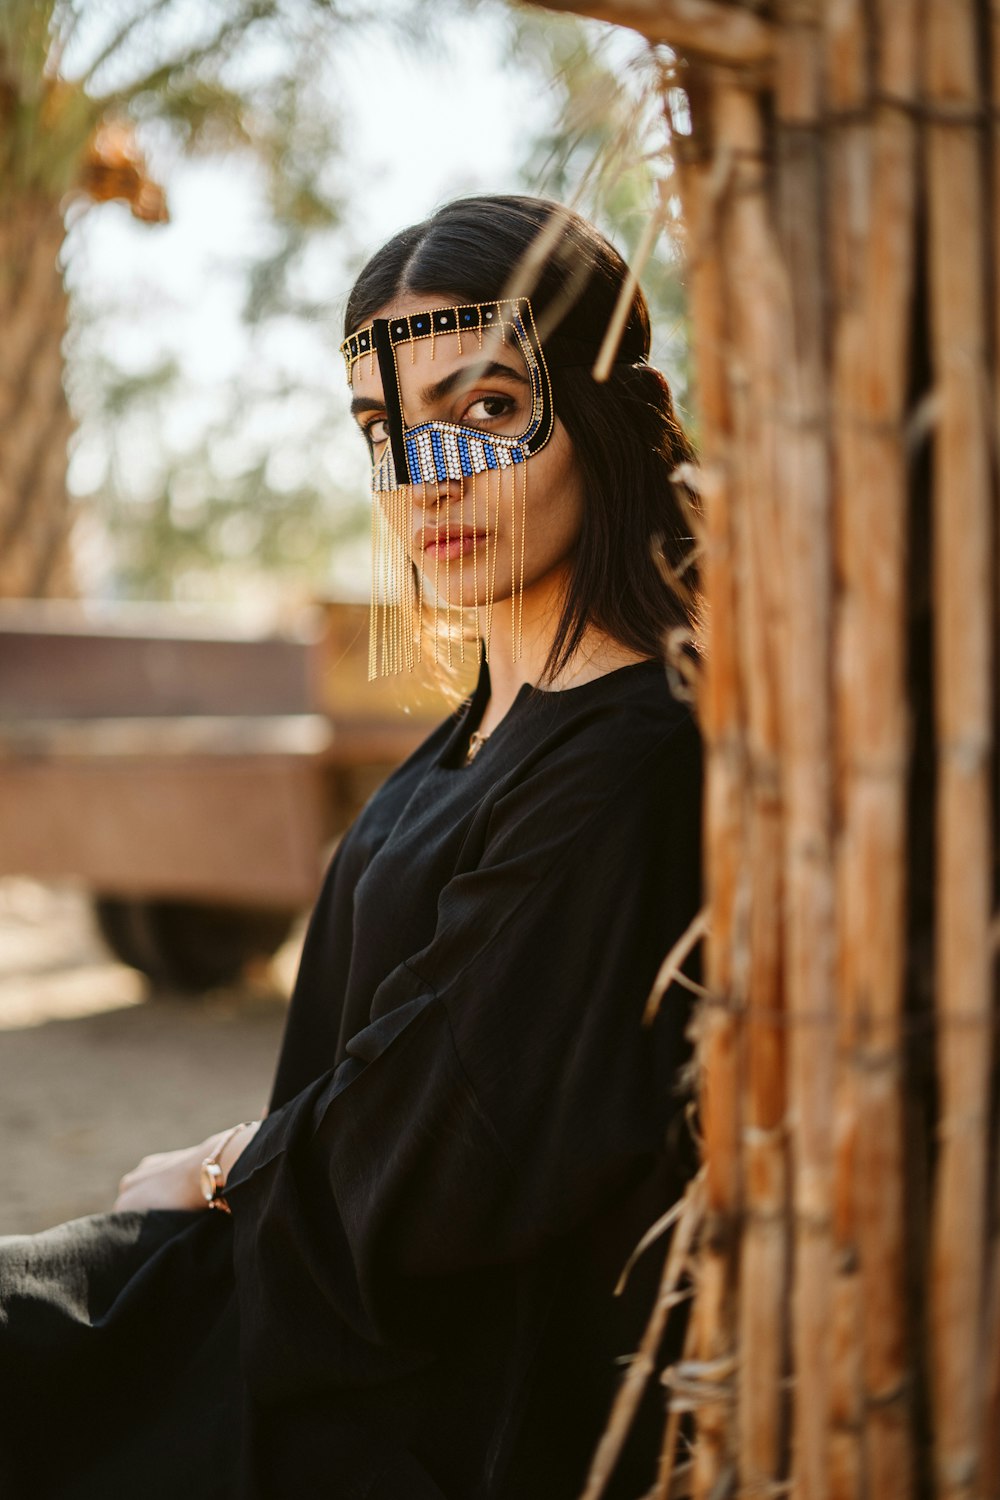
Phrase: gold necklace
[476,743]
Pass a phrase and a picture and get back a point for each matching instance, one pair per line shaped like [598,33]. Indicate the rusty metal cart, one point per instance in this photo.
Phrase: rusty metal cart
[191,774]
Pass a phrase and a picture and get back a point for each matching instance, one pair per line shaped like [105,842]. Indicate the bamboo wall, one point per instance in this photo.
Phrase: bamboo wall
[839,166]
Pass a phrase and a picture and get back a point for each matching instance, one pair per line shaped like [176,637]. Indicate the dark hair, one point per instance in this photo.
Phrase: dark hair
[634,542]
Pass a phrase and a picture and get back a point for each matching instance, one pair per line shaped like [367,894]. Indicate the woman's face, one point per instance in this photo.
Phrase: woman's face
[487,388]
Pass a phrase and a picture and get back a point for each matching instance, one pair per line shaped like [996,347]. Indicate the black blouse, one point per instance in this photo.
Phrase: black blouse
[470,1128]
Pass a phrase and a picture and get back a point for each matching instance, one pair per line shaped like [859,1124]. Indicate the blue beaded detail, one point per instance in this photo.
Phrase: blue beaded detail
[439,461]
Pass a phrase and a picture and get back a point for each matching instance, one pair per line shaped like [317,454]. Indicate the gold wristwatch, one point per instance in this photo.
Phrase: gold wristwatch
[213,1179]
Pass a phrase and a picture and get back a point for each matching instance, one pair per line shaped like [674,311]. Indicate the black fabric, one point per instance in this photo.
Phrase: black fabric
[470,1129]
[393,406]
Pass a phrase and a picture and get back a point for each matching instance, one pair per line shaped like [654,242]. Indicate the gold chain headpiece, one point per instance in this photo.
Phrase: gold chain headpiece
[488,467]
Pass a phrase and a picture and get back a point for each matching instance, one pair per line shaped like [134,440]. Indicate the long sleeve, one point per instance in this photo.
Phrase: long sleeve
[503,1090]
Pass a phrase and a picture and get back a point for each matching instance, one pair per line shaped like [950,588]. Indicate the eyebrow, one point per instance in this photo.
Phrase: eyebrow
[444,387]
[365,403]
[471,374]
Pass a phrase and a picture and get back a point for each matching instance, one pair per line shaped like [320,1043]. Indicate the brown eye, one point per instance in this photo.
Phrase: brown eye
[376,432]
[490,408]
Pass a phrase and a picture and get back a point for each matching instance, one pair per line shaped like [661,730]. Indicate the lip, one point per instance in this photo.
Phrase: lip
[453,543]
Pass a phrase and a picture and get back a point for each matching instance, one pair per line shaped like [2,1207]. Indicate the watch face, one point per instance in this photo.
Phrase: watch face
[211,1178]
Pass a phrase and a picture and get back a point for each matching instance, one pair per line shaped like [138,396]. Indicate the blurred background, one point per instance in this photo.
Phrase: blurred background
[186,192]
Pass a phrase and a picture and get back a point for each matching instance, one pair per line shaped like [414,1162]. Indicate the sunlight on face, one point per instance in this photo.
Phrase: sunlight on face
[472,529]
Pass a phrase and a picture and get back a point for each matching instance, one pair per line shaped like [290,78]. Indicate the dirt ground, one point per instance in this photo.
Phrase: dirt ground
[95,1073]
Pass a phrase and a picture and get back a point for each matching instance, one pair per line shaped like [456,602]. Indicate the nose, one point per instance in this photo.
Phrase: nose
[436,493]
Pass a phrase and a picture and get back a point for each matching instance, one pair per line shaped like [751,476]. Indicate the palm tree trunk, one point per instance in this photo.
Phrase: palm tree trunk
[35,423]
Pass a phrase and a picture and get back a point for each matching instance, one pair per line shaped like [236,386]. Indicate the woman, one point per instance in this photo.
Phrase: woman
[410,1291]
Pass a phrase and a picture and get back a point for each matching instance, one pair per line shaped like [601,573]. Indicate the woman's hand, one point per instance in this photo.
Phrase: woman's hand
[172,1179]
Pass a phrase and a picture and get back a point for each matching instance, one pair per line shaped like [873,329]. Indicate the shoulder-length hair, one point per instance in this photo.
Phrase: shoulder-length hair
[632,571]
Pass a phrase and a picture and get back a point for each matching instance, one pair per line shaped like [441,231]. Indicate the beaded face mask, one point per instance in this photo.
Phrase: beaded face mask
[424,460]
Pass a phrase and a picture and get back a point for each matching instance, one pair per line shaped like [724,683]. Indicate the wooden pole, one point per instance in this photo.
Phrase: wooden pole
[847,90]
[991,1404]
[708,29]
[759,351]
[806,733]
[873,496]
[720,710]
[962,550]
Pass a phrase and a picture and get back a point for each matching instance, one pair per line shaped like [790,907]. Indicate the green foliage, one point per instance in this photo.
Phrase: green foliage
[56,87]
[188,79]
[608,155]
[212,515]
[235,531]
